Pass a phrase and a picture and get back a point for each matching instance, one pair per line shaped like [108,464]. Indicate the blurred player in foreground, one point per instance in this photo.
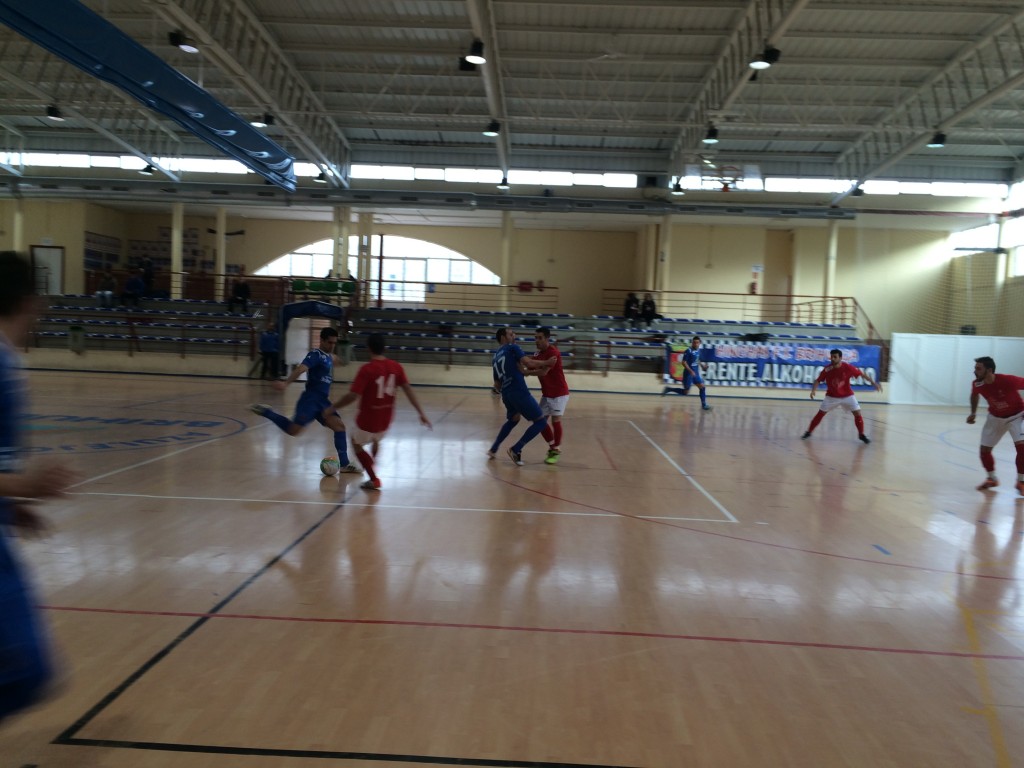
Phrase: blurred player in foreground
[25,665]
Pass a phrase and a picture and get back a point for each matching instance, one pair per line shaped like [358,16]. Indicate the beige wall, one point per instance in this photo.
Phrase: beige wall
[899,277]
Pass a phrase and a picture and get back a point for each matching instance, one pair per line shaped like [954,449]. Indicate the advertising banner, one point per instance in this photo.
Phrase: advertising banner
[771,363]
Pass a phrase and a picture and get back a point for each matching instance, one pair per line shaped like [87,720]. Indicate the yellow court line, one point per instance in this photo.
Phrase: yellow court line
[989,710]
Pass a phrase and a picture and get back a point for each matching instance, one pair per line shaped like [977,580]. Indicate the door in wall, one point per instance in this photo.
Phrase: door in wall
[48,264]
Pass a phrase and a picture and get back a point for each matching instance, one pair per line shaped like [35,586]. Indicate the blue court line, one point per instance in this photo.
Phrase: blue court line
[883,550]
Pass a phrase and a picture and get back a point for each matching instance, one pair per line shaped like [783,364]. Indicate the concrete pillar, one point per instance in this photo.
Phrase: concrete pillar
[507,239]
[221,246]
[177,233]
[831,255]
[18,227]
[342,219]
[664,254]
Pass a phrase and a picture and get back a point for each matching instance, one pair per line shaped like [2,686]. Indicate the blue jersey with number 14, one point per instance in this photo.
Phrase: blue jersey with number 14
[506,369]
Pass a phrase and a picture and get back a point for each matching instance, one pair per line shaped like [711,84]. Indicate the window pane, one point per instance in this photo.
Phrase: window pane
[437,270]
[460,271]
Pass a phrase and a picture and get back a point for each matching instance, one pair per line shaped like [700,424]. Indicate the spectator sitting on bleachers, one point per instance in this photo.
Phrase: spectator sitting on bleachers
[106,288]
[631,309]
[649,310]
[240,293]
[134,287]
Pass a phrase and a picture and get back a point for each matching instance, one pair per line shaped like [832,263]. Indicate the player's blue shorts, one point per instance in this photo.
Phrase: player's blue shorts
[689,379]
[520,403]
[24,668]
[310,406]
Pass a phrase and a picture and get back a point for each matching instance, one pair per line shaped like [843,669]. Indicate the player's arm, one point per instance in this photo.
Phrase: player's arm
[816,382]
[864,375]
[541,366]
[347,399]
[37,482]
[416,404]
[974,408]
[292,378]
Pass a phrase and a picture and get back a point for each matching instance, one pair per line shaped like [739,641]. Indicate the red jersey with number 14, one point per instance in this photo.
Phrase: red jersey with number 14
[1002,395]
[375,384]
[552,383]
[838,379]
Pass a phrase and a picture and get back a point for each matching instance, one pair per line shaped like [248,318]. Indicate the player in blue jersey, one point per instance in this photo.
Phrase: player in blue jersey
[510,366]
[692,368]
[315,399]
[25,665]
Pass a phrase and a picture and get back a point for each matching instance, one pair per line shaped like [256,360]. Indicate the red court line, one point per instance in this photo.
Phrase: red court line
[550,630]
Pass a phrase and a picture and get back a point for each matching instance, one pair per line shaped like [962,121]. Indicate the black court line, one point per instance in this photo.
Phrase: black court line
[68,738]
[326,755]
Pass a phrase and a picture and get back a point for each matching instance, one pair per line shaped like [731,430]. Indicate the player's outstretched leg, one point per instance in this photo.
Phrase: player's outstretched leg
[859,421]
[281,422]
[814,422]
[988,461]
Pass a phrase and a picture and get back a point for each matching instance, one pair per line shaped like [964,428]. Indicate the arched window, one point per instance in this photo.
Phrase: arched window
[409,266]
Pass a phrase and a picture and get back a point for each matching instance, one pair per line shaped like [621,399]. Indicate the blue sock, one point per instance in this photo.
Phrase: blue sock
[341,446]
[282,422]
[703,395]
[535,429]
[507,427]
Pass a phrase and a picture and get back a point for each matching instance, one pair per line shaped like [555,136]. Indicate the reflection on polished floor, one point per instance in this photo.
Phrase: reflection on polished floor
[682,589]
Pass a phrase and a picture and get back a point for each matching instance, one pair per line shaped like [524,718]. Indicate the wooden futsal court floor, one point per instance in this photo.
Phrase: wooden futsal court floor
[682,589]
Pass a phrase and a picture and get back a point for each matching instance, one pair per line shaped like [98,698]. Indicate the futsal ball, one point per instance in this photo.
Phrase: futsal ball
[330,466]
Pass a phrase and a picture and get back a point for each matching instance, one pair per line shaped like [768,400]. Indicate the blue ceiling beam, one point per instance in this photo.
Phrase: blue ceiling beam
[76,34]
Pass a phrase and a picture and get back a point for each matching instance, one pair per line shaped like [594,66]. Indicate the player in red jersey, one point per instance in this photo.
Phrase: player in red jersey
[374,386]
[554,392]
[838,393]
[1005,413]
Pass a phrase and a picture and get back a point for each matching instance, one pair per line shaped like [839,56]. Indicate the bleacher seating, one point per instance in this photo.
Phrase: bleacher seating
[181,326]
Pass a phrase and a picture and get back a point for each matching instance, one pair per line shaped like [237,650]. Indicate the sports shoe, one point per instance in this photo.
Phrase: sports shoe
[491,455]
[864,439]
[990,482]
[706,407]
[350,469]
[516,456]
[553,458]
[259,408]
[1020,487]
[370,485]
[805,435]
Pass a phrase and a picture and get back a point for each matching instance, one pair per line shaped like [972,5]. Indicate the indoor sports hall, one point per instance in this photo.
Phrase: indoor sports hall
[748,191]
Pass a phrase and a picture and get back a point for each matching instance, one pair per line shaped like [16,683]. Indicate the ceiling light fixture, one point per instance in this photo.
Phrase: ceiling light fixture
[493,129]
[179,39]
[476,53]
[938,141]
[770,55]
[711,137]
[53,112]
[262,121]
[504,183]
[148,170]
